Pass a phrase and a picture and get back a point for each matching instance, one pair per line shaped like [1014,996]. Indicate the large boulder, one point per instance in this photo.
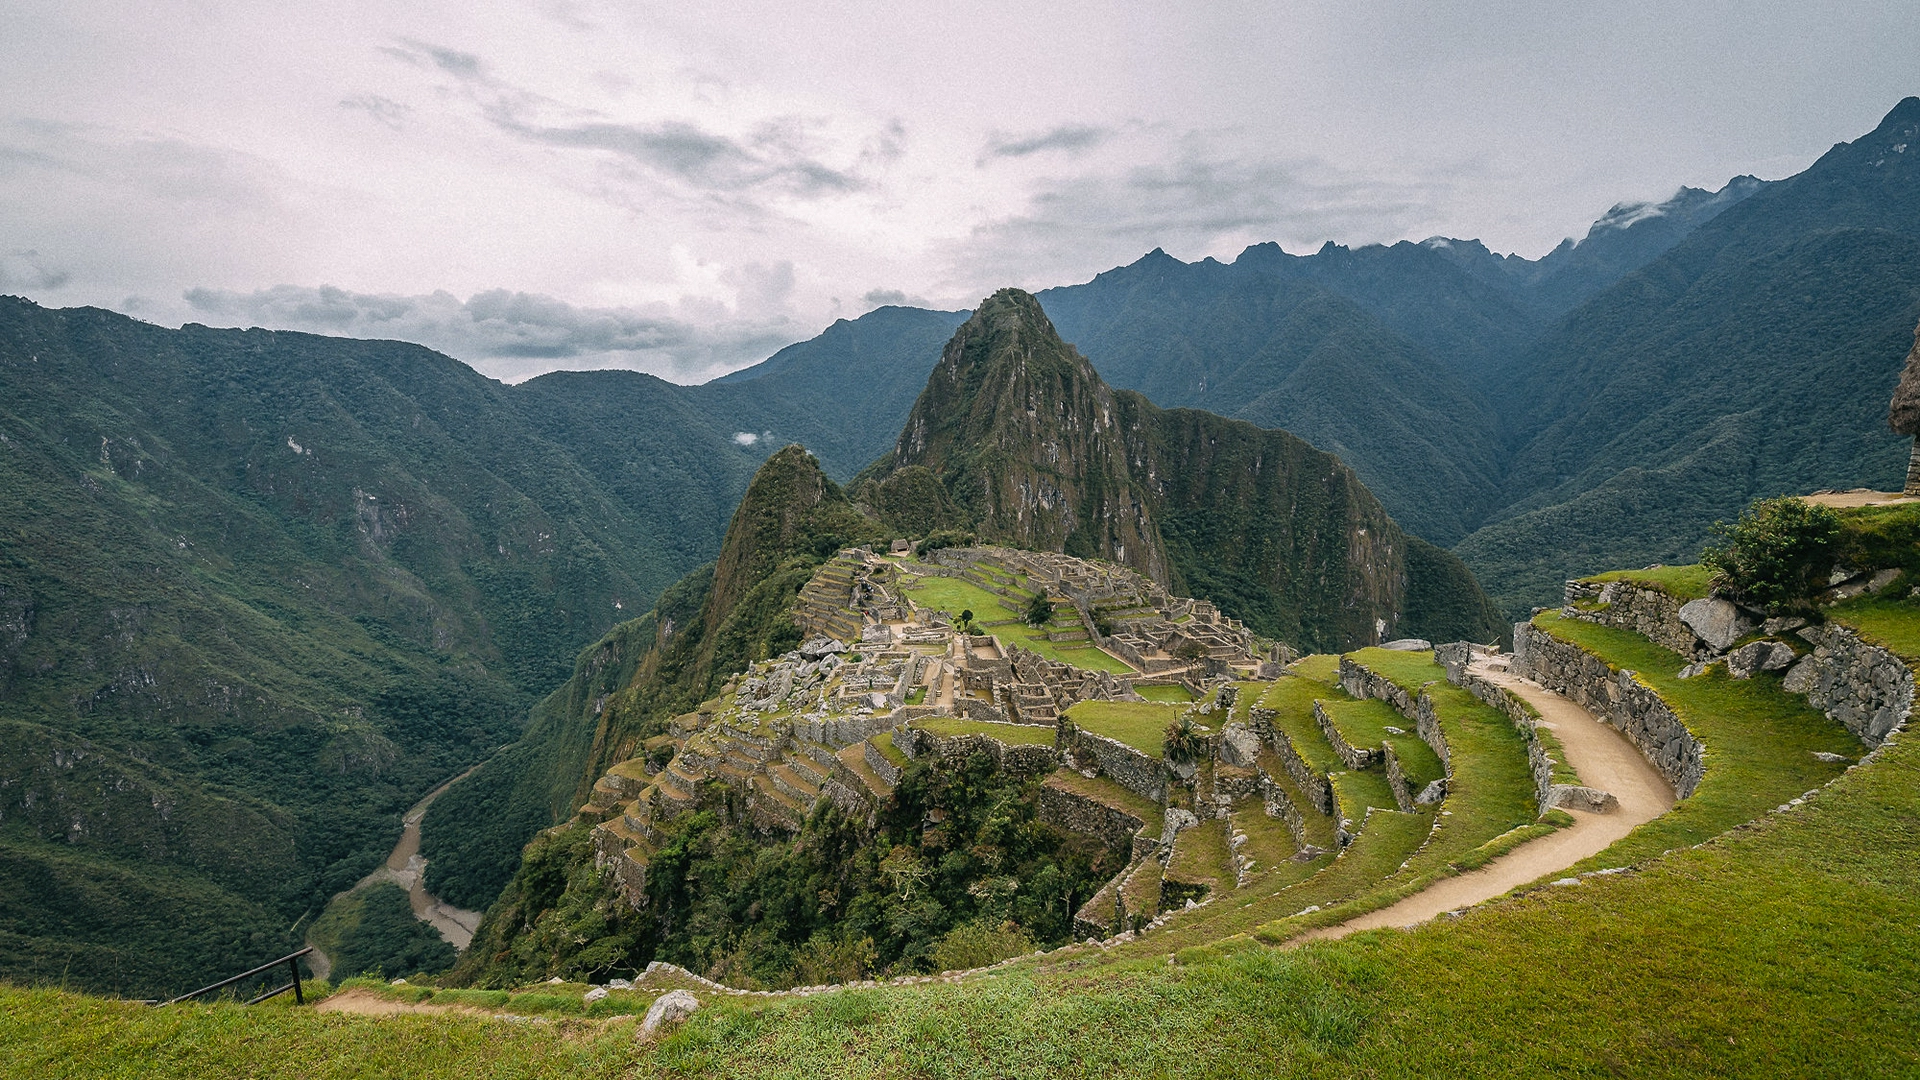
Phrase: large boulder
[1715,621]
[1743,662]
[1409,644]
[669,1008]
[1239,746]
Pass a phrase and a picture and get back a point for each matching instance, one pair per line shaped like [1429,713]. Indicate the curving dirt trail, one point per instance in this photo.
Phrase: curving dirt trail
[1604,759]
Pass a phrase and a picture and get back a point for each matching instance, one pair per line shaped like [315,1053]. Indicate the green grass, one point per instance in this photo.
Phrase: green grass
[1201,855]
[1139,724]
[1172,694]
[1269,841]
[1011,734]
[954,595]
[1890,622]
[1322,667]
[883,742]
[1683,582]
[1355,791]
[1291,697]
[1760,742]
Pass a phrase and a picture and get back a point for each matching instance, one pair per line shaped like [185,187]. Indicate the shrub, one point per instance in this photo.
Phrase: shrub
[1776,554]
[1183,742]
[1039,610]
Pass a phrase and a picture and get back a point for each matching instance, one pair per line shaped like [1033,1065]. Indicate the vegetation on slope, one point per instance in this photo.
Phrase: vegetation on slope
[957,863]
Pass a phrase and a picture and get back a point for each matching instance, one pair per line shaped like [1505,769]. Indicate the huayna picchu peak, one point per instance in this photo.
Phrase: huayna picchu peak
[1033,449]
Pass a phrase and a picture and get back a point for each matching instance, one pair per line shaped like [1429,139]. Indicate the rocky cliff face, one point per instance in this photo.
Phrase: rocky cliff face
[1036,451]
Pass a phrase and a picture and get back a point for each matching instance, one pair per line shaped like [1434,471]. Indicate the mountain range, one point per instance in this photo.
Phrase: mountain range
[260,591]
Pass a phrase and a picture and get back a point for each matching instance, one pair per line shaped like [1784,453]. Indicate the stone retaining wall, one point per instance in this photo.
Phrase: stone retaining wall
[877,761]
[1279,806]
[1397,780]
[1863,686]
[1087,816]
[1355,757]
[1312,783]
[1652,614]
[1131,769]
[1618,698]
[1022,760]
[1540,761]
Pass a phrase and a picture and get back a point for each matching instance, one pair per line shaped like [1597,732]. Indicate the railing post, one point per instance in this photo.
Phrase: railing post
[294,965]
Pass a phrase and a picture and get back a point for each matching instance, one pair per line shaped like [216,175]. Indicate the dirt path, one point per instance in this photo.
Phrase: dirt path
[406,868]
[1602,757]
[1857,497]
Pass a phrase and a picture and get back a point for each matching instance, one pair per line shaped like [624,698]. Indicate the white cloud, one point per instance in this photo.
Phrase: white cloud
[513,335]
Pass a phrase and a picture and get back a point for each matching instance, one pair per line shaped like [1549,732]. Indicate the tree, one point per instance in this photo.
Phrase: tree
[1777,553]
[1039,610]
[966,619]
[1183,742]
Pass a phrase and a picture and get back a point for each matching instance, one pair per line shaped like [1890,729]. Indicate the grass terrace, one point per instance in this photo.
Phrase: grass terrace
[1139,724]
[1291,698]
[1760,741]
[1365,724]
[883,742]
[1683,582]
[1011,734]
[1170,694]
[1201,855]
[1890,622]
[992,614]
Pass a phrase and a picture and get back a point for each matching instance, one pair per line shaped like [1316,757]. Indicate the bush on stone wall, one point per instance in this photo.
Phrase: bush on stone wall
[1776,554]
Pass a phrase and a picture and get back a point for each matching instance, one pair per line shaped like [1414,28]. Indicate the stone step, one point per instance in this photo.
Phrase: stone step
[791,783]
[807,768]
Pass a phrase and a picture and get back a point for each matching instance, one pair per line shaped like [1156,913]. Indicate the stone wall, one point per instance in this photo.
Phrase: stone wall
[1278,806]
[1863,686]
[877,761]
[1547,794]
[1652,614]
[1397,780]
[1355,757]
[1617,697]
[1021,760]
[1078,813]
[1313,784]
[1131,769]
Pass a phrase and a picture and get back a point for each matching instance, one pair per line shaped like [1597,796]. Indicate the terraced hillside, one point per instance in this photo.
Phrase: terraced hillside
[1286,804]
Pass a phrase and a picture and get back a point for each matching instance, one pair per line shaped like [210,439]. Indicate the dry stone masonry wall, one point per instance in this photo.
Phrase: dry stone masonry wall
[1652,614]
[1617,697]
[1863,686]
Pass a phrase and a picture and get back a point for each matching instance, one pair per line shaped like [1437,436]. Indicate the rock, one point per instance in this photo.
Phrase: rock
[1696,669]
[594,994]
[1715,621]
[1391,730]
[1782,624]
[1881,579]
[556,979]
[1830,758]
[669,1008]
[1758,656]
[619,984]
[1239,745]
[1799,679]
[1409,644]
[1176,820]
[1432,793]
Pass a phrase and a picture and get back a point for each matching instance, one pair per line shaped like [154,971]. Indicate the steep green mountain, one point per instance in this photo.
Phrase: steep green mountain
[259,592]
[711,624]
[1035,450]
[1754,358]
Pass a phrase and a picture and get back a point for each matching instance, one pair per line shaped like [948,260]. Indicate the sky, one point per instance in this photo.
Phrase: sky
[685,188]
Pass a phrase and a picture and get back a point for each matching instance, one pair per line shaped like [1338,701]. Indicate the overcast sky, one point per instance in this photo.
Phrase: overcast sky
[682,190]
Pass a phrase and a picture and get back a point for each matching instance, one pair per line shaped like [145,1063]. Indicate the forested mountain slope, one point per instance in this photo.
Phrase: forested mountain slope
[259,592]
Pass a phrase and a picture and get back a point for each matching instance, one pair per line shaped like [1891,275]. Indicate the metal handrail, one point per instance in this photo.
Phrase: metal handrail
[293,965]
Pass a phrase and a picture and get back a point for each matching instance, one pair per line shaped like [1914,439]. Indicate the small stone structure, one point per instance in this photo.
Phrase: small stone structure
[1903,412]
